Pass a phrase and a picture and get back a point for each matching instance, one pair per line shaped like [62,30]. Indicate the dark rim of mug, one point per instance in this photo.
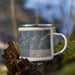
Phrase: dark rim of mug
[36,25]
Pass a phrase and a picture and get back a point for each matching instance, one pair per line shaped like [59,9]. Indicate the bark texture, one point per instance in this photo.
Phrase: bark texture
[22,66]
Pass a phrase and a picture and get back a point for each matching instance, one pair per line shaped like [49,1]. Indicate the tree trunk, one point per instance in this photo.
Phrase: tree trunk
[72,36]
[12,8]
[17,66]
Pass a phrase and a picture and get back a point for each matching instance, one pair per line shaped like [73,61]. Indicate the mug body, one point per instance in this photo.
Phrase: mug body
[36,42]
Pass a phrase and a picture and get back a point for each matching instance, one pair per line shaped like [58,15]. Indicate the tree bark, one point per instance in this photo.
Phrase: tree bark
[15,65]
[20,66]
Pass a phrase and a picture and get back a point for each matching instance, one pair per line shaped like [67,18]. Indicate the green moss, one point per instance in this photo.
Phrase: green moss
[68,69]
[69,54]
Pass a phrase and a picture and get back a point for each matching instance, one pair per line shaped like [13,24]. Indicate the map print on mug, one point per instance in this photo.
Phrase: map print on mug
[35,43]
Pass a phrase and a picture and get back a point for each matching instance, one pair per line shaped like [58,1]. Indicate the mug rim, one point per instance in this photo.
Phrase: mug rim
[34,59]
[36,25]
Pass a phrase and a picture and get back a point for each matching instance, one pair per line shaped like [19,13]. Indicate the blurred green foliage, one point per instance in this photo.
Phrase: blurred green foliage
[68,69]
[69,54]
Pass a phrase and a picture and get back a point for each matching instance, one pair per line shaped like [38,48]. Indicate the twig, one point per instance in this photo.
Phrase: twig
[62,13]
[74,23]
[51,19]
[69,17]
[12,8]
[37,14]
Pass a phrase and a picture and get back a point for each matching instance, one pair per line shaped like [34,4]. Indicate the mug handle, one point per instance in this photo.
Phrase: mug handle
[59,34]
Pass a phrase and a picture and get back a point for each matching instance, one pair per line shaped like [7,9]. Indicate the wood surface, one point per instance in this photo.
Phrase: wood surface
[22,66]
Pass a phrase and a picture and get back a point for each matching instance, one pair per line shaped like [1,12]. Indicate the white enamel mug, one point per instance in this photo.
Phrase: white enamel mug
[36,42]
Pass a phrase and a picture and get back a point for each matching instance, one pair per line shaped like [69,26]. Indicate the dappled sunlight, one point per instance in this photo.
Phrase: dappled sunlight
[3,45]
[3,70]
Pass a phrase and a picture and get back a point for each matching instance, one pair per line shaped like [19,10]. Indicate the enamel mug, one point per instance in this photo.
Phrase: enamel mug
[36,42]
